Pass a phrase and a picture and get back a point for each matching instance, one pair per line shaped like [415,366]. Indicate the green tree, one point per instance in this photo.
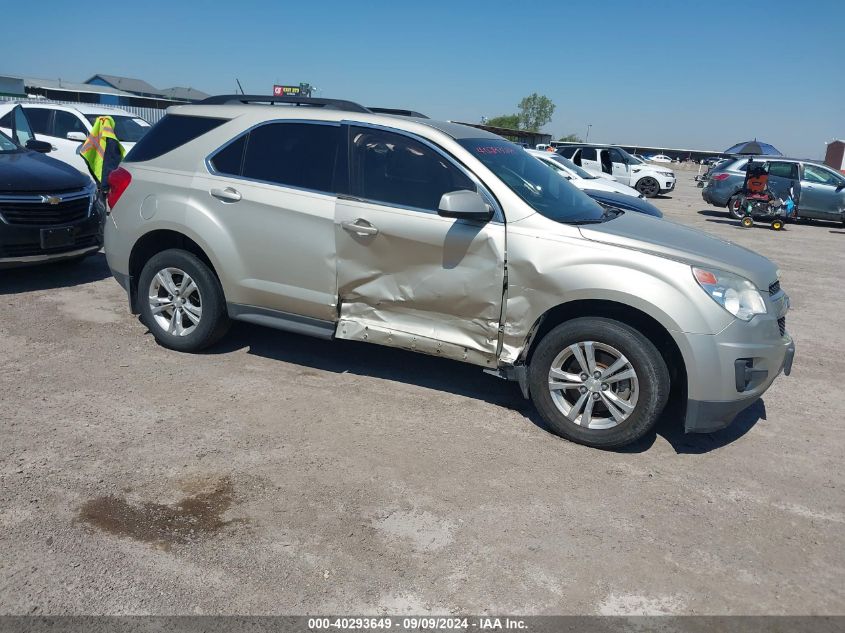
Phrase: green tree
[535,111]
[510,121]
[571,138]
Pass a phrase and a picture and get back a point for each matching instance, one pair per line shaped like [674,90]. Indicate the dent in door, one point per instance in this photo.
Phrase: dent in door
[424,283]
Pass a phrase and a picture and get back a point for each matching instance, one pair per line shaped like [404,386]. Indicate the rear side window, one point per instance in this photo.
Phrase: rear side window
[171,132]
[303,155]
[229,160]
[784,170]
[39,119]
[588,153]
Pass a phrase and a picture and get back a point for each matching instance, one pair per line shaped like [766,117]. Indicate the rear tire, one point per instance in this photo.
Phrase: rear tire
[747,222]
[733,208]
[181,301]
[626,401]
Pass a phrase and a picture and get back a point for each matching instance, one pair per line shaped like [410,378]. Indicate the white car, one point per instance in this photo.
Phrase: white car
[66,127]
[581,178]
[660,158]
[649,180]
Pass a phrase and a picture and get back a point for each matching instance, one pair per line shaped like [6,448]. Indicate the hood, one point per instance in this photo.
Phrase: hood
[681,243]
[626,203]
[32,172]
[652,167]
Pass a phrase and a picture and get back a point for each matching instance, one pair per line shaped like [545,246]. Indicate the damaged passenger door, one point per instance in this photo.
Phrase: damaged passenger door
[406,276]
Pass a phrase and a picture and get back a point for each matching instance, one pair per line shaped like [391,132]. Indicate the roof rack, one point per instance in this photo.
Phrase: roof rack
[328,104]
[397,112]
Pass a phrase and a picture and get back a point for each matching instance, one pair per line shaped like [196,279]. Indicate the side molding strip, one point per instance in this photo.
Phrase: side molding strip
[281,320]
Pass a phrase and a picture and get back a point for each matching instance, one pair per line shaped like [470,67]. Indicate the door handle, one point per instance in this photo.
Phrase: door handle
[359,226]
[229,194]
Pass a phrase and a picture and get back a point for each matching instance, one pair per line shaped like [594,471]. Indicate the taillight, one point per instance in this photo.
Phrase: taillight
[119,180]
[721,176]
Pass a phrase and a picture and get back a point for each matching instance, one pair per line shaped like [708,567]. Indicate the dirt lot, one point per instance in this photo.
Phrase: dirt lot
[279,474]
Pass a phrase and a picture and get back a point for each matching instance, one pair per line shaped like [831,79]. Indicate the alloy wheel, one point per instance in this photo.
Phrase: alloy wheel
[175,301]
[594,385]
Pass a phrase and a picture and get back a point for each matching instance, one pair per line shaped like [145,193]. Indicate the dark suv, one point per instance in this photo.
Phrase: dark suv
[47,208]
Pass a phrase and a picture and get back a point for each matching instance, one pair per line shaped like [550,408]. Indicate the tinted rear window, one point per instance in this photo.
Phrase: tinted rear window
[171,132]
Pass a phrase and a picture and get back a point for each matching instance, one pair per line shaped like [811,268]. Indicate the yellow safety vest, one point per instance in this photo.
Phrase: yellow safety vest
[94,148]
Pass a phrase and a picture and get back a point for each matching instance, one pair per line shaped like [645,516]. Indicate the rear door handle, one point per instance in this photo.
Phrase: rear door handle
[359,226]
[229,194]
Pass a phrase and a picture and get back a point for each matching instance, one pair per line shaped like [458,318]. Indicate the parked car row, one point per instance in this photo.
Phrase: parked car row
[339,222]
[819,191]
[649,180]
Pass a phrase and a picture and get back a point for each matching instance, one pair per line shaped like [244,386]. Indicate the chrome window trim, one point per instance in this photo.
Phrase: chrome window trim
[498,214]
[213,172]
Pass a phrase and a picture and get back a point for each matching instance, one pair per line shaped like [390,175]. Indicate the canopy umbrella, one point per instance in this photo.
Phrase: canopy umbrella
[753,147]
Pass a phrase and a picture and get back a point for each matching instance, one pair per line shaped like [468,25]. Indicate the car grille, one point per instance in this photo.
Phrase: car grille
[44,214]
[26,250]
[782,325]
[774,288]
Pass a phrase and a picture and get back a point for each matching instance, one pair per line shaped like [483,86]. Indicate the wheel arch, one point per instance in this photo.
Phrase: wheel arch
[156,241]
[646,324]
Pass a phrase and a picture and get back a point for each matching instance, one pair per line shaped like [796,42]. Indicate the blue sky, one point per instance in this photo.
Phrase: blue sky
[648,72]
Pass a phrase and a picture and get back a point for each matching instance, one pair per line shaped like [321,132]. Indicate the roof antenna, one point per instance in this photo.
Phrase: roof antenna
[238,81]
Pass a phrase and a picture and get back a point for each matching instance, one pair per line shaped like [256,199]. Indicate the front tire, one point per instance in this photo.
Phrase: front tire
[598,382]
[648,186]
[181,301]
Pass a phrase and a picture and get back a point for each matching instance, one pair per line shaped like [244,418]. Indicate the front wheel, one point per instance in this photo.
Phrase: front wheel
[598,382]
[181,301]
[648,186]
[747,222]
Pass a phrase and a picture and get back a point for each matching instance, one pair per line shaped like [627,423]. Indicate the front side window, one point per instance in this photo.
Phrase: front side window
[813,173]
[66,123]
[396,169]
[540,186]
[616,156]
[303,155]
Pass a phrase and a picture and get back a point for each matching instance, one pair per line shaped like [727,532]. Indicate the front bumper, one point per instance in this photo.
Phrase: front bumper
[734,368]
[666,184]
[21,245]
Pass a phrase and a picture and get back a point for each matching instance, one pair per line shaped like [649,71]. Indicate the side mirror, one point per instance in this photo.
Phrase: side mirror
[39,146]
[464,205]
[76,136]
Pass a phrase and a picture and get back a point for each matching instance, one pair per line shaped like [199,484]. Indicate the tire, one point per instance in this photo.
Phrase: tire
[187,319]
[747,222]
[733,208]
[646,391]
[648,186]
[777,225]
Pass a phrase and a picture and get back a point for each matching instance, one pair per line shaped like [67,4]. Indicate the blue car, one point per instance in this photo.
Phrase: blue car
[626,203]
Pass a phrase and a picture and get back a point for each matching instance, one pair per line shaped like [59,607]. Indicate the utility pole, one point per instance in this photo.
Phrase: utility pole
[589,125]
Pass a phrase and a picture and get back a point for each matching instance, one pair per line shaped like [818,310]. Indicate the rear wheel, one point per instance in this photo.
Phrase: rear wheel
[648,186]
[777,225]
[733,206]
[598,382]
[181,301]
[747,222]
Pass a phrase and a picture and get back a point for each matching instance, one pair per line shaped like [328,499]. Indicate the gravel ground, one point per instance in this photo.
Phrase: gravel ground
[283,475]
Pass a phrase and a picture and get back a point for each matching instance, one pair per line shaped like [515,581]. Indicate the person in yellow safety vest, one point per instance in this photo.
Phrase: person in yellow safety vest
[102,151]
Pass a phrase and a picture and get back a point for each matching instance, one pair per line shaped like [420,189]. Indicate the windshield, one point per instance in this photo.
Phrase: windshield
[538,184]
[7,144]
[634,160]
[579,171]
[128,129]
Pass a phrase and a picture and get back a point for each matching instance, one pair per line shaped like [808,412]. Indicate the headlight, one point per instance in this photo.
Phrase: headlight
[735,294]
[667,173]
